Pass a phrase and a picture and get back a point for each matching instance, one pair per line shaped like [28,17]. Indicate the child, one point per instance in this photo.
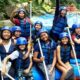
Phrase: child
[49,52]
[76,38]
[63,55]
[22,20]
[23,67]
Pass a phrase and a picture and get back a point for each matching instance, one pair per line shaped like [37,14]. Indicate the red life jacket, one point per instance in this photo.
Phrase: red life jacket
[17,22]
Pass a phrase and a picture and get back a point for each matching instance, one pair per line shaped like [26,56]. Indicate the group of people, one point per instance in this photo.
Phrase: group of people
[16,45]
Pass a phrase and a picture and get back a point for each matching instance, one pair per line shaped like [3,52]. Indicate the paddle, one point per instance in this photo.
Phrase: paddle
[45,68]
[73,50]
[30,18]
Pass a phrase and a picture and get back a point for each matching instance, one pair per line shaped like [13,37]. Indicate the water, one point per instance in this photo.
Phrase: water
[47,19]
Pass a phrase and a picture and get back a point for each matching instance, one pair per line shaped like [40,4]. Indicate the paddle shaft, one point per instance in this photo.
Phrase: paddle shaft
[30,19]
[74,51]
[2,77]
[45,68]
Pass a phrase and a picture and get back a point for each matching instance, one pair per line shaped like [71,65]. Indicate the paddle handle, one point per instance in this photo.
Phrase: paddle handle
[47,77]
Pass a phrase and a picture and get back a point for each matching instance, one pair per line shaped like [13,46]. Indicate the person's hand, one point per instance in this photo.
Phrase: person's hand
[15,12]
[42,59]
[26,71]
[3,71]
[72,43]
[51,71]
[0,41]
[25,56]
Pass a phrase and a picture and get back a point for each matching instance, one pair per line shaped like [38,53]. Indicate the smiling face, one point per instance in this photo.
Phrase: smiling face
[77,31]
[64,40]
[17,34]
[6,34]
[22,47]
[21,14]
[44,36]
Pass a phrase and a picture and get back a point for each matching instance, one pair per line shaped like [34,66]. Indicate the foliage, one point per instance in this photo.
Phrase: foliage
[38,6]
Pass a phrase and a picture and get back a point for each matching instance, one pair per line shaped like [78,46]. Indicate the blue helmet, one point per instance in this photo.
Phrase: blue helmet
[62,8]
[21,41]
[6,28]
[74,26]
[38,22]
[16,28]
[43,30]
[63,34]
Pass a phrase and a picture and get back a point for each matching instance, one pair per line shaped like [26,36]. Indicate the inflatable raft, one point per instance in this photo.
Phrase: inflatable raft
[38,75]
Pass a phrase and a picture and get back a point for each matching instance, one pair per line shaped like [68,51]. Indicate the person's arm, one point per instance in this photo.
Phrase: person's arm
[77,40]
[30,66]
[12,56]
[6,59]
[59,57]
[54,62]
[1,42]
[29,47]
[35,54]
[13,14]
[56,11]
[57,7]
[72,55]
[38,60]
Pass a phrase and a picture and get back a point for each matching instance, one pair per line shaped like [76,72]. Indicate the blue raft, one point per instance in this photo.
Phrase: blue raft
[38,75]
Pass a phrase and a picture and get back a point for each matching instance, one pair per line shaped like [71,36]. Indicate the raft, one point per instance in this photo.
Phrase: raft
[38,75]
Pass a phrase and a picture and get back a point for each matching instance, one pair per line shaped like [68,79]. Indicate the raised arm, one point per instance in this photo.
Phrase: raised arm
[56,11]
[57,8]
[13,14]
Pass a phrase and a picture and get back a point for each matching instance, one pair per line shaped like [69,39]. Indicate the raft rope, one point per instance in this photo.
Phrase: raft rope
[45,68]
[77,64]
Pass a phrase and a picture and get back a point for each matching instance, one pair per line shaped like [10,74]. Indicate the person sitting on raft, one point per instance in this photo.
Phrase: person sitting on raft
[23,67]
[64,52]
[49,53]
